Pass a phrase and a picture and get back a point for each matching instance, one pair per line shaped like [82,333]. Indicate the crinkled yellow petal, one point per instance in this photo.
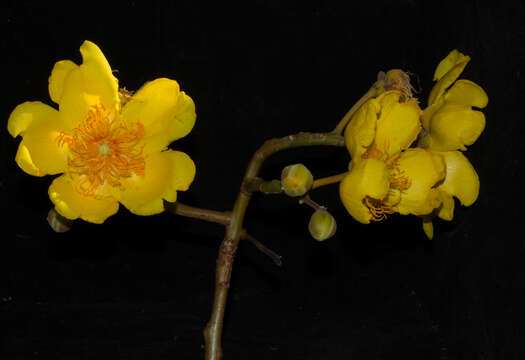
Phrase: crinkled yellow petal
[447,72]
[461,181]
[97,74]
[428,113]
[467,92]
[360,131]
[165,173]
[25,162]
[446,211]
[57,78]
[72,204]
[166,113]
[423,170]
[445,65]
[398,125]
[91,83]
[25,114]
[368,177]
[453,126]
[428,228]
[39,124]
[75,102]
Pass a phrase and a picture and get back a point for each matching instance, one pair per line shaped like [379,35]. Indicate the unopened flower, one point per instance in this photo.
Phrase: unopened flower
[110,147]
[322,225]
[296,180]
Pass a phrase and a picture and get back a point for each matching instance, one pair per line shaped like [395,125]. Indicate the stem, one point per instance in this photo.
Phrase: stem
[220,217]
[266,187]
[277,259]
[308,201]
[328,180]
[374,91]
[213,330]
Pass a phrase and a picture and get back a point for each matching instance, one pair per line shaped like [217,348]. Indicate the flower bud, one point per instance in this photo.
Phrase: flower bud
[57,222]
[296,180]
[322,225]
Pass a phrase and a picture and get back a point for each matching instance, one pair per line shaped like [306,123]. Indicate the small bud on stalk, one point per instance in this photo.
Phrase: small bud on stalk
[322,225]
[57,222]
[296,180]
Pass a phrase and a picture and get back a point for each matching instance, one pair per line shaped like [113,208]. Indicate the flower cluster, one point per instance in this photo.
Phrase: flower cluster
[388,174]
[111,146]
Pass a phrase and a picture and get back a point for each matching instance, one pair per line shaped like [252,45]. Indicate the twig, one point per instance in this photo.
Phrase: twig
[277,259]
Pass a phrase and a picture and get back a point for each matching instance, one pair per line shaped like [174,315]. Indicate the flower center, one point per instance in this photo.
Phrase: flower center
[398,181]
[103,150]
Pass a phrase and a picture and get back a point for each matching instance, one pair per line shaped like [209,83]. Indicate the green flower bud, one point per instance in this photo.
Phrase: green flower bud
[322,225]
[57,222]
[296,180]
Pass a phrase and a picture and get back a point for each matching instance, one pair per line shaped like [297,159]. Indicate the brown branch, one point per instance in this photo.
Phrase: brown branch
[220,217]
[277,259]
[213,330]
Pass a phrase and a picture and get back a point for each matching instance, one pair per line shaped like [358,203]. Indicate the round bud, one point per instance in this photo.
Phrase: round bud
[57,222]
[322,225]
[296,180]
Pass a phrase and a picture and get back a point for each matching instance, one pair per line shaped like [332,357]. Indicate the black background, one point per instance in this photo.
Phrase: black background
[142,287]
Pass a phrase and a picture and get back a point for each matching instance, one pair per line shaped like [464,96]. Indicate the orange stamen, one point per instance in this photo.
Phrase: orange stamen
[103,150]
[378,209]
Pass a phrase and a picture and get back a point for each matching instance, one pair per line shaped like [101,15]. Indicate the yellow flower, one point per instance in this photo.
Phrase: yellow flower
[377,139]
[110,147]
[449,121]
[405,184]
[386,176]
[383,127]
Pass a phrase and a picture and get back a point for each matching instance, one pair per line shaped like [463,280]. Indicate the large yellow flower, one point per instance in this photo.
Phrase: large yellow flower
[385,175]
[404,184]
[111,147]
[450,123]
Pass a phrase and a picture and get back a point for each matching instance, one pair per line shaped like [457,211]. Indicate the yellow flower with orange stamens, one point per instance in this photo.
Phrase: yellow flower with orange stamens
[110,147]
[385,175]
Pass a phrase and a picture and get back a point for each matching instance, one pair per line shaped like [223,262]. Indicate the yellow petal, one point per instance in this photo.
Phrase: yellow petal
[72,204]
[91,83]
[446,211]
[368,177]
[75,102]
[467,92]
[461,181]
[447,72]
[25,162]
[398,125]
[423,170]
[183,170]
[360,131]
[57,78]
[453,126]
[428,228]
[445,65]
[97,74]
[165,173]
[165,112]
[39,124]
